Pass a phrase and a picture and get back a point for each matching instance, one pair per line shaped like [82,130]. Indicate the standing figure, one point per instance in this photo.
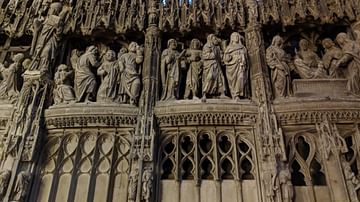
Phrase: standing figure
[108,71]
[46,38]
[235,59]
[351,60]
[286,187]
[85,81]
[4,182]
[133,182]
[9,85]
[352,182]
[63,91]
[330,58]
[130,69]
[170,71]
[147,184]
[278,62]
[307,62]
[193,77]
[22,185]
[213,79]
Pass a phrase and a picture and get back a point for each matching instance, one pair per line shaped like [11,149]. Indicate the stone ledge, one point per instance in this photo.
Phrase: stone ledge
[212,112]
[91,115]
[320,88]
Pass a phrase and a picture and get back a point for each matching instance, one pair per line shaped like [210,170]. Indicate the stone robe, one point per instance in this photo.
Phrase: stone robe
[170,73]
[280,71]
[352,59]
[63,92]
[330,59]
[236,68]
[130,76]
[108,87]
[194,73]
[9,84]
[85,80]
[213,78]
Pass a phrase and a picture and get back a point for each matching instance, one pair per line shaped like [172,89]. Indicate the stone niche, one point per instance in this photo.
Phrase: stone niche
[320,88]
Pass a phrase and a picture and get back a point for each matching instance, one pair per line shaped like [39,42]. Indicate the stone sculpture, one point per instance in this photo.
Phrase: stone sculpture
[9,85]
[4,181]
[213,80]
[85,81]
[307,62]
[147,184]
[352,182]
[286,187]
[278,61]
[46,38]
[133,181]
[235,59]
[22,185]
[170,59]
[109,73]
[130,70]
[193,77]
[63,91]
[350,60]
[330,58]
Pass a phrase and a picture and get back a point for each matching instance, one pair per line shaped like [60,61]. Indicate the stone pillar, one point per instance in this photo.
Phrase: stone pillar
[269,137]
[143,156]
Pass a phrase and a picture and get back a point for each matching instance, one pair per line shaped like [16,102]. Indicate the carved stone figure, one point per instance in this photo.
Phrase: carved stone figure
[22,185]
[85,81]
[147,184]
[269,180]
[351,60]
[170,59]
[109,73]
[130,69]
[286,187]
[307,62]
[278,61]
[133,181]
[213,78]
[9,85]
[75,55]
[352,182]
[46,38]
[330,58]
[4,182]
[193,77]
[235,59]
[63,91]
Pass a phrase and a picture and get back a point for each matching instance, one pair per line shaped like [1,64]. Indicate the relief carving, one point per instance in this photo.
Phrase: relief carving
[4,182]
[147,184]
[109,73]
[352,182]
[22,186]
[194,73]
[332,55]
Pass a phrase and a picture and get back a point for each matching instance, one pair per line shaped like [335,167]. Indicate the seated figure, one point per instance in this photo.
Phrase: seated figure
[63,92]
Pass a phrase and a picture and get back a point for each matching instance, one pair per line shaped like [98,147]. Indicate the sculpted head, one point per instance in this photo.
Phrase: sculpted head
[132,47]
[235,38]
[277,41]
[304,45]
[62,68]
[55,8]
[195,44]
[341,38]
[110,55]
[18,57]
[327,43]
[172,44]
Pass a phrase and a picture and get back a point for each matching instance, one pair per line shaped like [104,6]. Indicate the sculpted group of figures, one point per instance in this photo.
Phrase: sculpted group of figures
[340,60]
[120,77]
[205,76]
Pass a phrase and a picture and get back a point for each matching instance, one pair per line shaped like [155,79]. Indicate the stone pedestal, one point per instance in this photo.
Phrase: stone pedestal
[320,88]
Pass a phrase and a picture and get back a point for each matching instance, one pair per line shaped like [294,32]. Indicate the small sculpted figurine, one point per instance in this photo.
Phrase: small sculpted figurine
[235,59]
[63,91]
[170,71]
[286,187]
[109,73]
[9,85]
[130,70]
[307,62]
[193,77]
[4,182]
[330,58]
[147,184]
[350,60]
[133,181]
[352,182]
[85,80]
[22,184]
[278,62]
[213,80]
